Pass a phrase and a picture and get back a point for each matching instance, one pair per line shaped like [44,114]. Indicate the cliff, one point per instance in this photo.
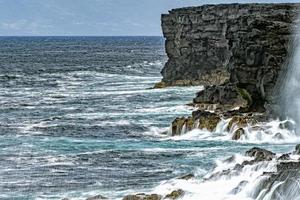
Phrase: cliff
[237,46]
[237,51]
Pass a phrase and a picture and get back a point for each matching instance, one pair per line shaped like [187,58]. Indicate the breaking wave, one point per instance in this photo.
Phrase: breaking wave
[275,131]
[231,179]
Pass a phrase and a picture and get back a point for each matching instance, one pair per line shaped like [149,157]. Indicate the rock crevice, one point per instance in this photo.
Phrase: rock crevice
[232,45]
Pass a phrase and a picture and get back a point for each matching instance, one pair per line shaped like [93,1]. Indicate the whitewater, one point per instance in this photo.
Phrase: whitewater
[77,121]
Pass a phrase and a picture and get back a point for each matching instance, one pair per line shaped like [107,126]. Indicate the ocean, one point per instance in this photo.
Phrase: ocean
[78,118]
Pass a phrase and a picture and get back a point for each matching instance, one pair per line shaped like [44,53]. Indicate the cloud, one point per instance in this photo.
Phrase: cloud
[14,25]
[24,27]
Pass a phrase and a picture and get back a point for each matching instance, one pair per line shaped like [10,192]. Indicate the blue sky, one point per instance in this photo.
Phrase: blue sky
[91,17]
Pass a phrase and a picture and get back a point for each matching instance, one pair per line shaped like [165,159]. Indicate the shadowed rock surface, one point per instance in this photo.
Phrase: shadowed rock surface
[143,196]
[260,154]
[97,197]
[250,42]
[237,46]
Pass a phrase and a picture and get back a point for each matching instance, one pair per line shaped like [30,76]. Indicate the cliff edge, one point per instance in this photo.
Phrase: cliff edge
[237,46]
[237,51]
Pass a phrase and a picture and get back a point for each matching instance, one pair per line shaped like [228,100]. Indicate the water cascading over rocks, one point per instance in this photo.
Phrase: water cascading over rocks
[288,87]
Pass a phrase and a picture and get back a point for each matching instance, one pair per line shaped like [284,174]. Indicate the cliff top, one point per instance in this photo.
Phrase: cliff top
[254,6]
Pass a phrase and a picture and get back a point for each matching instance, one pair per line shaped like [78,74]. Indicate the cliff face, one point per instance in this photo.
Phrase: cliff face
[237,46]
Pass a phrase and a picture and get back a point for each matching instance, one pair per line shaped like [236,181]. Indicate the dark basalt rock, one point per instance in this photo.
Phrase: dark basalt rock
[97,197]
[297,149]
[247,44]
[187,177]
[180,123]
[287,125]
[227,95]
[260,154]
[285,156]
[207,120]
[143,196]
[176,194]
[288,173]
[202,119]
[238,134]
[199,120]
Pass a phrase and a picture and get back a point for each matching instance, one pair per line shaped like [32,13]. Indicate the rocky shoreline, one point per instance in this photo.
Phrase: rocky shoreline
[238,52]
[286,171]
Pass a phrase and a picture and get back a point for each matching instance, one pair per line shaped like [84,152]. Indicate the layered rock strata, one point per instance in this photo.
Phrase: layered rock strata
[237,46]
[245,45]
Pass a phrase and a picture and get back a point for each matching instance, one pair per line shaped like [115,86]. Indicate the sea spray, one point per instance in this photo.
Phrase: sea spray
[243,177]
[264,132]
[289,83]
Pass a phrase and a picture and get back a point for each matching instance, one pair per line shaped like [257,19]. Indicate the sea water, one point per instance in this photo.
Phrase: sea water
[77,119]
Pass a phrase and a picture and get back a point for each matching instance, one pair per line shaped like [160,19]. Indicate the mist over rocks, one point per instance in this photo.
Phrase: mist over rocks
[259,174]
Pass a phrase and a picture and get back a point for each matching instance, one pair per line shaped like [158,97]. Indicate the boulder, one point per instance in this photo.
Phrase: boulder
[238,134]
[260,154]
[160,85]
[207,120]
[200,119]
[97,197]
[143,196]
[187,177]
[297,149]
[238,121]
[287,125]
[181,125]
[176,194]
[227,95]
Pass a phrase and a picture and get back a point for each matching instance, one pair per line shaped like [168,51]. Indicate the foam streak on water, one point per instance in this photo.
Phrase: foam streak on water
[77,119]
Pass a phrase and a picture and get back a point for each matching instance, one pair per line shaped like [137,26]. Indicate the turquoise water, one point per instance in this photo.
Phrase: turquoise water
[78,119]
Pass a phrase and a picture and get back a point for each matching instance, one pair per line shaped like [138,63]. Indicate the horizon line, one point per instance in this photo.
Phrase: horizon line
[81,36]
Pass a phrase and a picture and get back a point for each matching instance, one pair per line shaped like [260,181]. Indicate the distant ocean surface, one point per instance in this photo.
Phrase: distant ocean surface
[77,119]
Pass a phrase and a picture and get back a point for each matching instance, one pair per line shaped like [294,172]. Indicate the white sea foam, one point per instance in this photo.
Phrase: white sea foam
[225,182]
[269,132]
[177,109]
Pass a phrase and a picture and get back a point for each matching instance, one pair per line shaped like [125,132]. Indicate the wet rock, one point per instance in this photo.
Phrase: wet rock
[287,125]
[245,45]
[230,159]
[285,156]
[187,177]
[200,119]
[278,136]
[97,197]
[207,120]
[238,188]
[143,196]
[287,174]
[238,134]
[239,122]
[260,154]
[177,126]
[182,125]
[160,85]
[297,149]
[226,95]
[175,194]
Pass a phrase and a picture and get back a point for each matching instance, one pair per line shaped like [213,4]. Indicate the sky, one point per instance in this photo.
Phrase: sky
[92,17]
